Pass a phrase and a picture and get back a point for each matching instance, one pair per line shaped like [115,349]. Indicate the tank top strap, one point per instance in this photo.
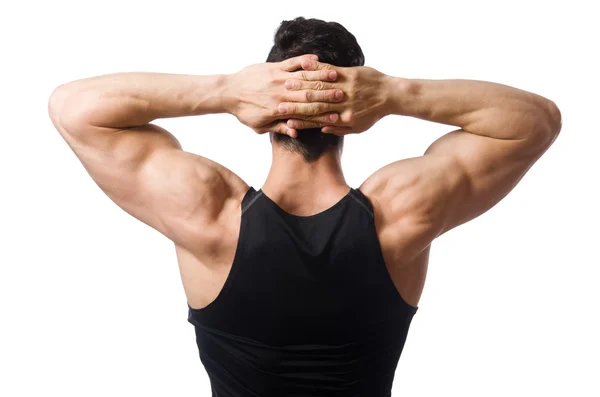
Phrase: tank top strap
[250,198]
[362,200]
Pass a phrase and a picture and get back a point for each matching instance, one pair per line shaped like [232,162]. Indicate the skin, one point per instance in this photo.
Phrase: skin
[195,202]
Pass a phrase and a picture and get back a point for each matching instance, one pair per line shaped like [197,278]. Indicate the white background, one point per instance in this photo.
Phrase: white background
[91,301]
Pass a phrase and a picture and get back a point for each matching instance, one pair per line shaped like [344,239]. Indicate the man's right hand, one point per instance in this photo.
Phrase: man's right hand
[366,97]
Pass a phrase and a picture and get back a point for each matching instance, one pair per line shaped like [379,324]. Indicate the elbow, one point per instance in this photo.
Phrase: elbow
[60,103]
[56,106]
[57,100]
[549,123]
[64,107]
[554,118]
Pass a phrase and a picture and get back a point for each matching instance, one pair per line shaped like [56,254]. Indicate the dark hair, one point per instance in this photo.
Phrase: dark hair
[334,45]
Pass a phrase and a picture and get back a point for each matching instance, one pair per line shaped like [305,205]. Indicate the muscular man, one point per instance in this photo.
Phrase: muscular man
[306,286]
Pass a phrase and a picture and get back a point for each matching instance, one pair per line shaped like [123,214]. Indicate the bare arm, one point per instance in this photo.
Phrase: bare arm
[142,167]
[479,107]
[503,131]
[139,165]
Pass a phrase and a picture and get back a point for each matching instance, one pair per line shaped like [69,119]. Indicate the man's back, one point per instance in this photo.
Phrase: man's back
[307,308]
[203,277]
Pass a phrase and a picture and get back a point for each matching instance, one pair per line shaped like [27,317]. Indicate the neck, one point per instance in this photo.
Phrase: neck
[300,183]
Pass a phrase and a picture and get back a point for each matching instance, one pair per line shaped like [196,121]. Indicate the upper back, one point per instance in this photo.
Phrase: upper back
[308,304]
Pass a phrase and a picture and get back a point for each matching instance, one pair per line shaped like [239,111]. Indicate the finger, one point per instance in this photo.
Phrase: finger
[303,110]
[296,85]
[279,127]
[335,130]
[313,122]
[314,96]
[282,128]
[316,75]
[296,62]
[314,64]
[303,124]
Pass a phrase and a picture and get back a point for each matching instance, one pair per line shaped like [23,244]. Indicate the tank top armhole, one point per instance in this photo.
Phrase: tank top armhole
[250,198]
[364,201]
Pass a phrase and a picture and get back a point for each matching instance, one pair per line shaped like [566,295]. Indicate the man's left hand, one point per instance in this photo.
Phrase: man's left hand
[254,93]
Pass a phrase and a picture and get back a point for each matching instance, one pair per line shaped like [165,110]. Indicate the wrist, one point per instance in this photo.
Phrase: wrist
[399,93]
[204,94]
[229,97]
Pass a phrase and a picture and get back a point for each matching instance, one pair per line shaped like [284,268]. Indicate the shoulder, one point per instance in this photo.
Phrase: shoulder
[203,209]
[222,199]
[409,199]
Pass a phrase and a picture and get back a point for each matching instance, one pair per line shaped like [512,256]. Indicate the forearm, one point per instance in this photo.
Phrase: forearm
[478,107]
[124,100]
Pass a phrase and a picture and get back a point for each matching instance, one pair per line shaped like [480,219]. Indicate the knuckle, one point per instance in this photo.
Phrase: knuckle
[276,97]
[319,85]
[308,96]
[351,74]
[274,76]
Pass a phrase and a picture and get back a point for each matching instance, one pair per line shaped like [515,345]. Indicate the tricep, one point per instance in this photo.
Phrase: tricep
[459,177]
[145,172]
[480,172]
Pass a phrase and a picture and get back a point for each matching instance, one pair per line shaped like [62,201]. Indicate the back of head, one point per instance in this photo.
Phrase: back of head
[333,44]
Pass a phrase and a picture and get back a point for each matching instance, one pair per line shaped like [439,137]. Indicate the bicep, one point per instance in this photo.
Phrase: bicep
[145,172]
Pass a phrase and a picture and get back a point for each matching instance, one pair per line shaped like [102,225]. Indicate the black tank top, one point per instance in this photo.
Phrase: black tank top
[308,308]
